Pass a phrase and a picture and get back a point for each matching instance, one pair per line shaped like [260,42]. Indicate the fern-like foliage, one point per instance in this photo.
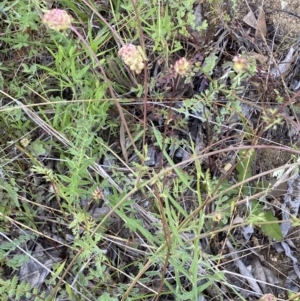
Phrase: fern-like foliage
[7,248]
[13,289]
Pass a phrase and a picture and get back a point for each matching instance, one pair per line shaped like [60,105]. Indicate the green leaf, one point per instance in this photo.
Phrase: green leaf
[106,297]
[244,167]
[267,221]
[38,148]
[12,191]
[209,64]
[69,291]
[59,269]
[272,230]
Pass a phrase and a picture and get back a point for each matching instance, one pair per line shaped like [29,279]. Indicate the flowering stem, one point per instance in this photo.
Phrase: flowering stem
[142,41]
[106,81]
[169,114]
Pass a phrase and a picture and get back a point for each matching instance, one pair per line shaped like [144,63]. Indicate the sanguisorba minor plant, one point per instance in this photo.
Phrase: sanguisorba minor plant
[170,258]
[179,262]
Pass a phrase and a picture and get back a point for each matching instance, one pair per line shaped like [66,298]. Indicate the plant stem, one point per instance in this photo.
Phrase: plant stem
[107,82]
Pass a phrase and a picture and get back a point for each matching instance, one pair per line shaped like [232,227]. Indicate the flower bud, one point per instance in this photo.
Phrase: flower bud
[182,66]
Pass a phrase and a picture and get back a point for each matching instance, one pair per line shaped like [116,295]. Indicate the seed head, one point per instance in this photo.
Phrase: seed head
[182,66]
[132,57]
[57,19]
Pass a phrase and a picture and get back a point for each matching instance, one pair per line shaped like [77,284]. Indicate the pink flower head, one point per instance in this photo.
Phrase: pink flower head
[268,297]
[182,66]
[132,57]
[239,63]
[57,19]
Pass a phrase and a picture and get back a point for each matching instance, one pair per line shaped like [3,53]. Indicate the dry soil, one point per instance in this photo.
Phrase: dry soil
[283,15]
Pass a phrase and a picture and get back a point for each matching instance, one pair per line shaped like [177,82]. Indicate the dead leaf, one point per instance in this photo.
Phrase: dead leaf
[37,268]
[259,25]
[260,58]
[250,20]
[283,66]
[243,269]
[258,273]
[238,220]
[261,30]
